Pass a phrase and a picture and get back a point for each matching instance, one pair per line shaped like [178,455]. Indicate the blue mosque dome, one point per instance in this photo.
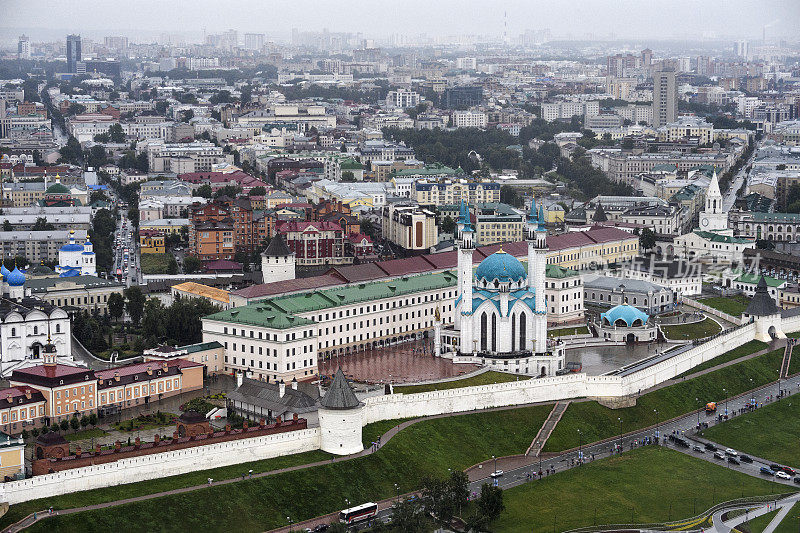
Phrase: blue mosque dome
[501,266]
[627,314]
[16,278]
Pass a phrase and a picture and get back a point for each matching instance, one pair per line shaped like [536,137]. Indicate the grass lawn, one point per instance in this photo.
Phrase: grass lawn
[577,330]
[759,523]
[771,432]
[150,421]
[791,522]
[698,330]
[121,354]
[745,349]
[426,448]
[597,422]
[371,432]
[156,263]
[85,434]
[733,305]
[486,378]
[645,485]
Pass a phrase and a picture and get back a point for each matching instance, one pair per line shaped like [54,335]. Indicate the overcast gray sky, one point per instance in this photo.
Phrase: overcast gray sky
[625,18]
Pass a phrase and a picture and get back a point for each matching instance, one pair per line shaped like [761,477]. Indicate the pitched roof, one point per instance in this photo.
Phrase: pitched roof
[277,248]
[267,395]
[762,303]
[340,395]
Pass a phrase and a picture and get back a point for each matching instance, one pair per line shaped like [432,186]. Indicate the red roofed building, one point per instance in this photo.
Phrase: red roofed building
[360,246]
[21,408]
[315,243]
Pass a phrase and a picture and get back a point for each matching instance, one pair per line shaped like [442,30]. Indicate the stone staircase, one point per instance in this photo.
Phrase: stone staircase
[547,428]
[787,359]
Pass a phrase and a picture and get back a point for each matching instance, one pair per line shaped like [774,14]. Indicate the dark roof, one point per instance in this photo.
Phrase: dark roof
[277,248]
[51,438]
[340,395]
[267,395]
[192,417]
[762,303]
[52,376]
[599,214]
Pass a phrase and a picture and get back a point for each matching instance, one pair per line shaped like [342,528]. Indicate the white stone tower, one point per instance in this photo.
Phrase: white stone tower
[536,234]
[466,247]
[713,217]
[341,416]
[277,261]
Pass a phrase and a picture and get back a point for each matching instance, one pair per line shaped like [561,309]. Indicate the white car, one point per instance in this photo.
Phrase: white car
[782,475]
[496,473]
[731,452]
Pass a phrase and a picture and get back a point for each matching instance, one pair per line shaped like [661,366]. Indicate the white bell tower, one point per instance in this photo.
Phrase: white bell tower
[714,217]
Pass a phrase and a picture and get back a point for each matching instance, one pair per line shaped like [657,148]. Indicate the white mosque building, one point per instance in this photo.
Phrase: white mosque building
[75,259]
[501,312]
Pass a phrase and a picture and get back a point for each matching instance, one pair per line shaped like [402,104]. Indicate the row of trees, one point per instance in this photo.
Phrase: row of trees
[75,423]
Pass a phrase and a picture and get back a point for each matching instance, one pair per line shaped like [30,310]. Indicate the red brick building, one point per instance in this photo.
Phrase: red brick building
[315,242]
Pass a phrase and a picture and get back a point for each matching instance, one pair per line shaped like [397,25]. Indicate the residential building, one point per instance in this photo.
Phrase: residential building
[36,246]
[402,99]
[713,247]
[607,291]
[151,242]
[565,110]
[190,289]
[409,226]
[315,243]
[497,223]
[563,295]
[665,98]
[86,292]
[469,119]
[447,191]
[73,53]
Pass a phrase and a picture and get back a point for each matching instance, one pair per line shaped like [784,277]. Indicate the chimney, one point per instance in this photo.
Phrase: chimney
[294,383]
[164,367]
[116,376]
[281,389]
[28,393]
[156,439]
[239,379]
[149,371]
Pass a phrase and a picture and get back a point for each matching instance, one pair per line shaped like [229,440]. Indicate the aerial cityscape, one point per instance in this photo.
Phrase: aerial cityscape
[400,266]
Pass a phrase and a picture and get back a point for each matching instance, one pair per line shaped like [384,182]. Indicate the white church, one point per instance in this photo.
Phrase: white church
[501,312]
[76,259]
[713,241]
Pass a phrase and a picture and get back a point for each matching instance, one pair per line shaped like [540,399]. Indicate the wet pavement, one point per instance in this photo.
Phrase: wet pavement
[403,363]
[597,360]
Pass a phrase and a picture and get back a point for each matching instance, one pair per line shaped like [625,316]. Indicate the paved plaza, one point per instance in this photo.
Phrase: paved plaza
[409,362]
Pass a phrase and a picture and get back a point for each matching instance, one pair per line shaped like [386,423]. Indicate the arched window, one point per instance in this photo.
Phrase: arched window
[58,328]
[13,332]
[522,340]
[513,332]
[494,332]
[35,330]
[483,332]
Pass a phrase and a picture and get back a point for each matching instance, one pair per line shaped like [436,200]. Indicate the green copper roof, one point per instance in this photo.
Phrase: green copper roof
[752,279]
[716,237]
[559,272]
[776,217]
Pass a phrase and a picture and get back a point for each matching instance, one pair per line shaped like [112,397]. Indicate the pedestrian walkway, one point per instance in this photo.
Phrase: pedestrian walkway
[547,428]
[787,360]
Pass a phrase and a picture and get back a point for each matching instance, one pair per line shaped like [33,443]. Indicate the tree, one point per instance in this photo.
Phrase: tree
[7,226]
[172,266]
[133,215]
[348,177]
[42,224]
[98,196]
[116,133]
[257,191]
[228,190]
[367,228]
[458,485]
[102,138]
[448,225]
[437,499]
[35,432]
[74,423]
[762,244]
[116,305]
[205,191]
[187,116]
[76,109]
[510,196]
[134,303]
[191,264]
[647,239]
[45,430]
[25,434]
[64,425]
[93,419]
[408,515]
[84,421]
[490,503]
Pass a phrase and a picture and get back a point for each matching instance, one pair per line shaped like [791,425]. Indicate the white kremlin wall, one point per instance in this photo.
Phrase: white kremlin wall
[375,409]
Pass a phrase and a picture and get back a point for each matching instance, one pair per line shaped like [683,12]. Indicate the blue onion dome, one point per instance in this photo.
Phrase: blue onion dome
[72,247]
[4,271]
[624,315]
[16,278]
[502,267]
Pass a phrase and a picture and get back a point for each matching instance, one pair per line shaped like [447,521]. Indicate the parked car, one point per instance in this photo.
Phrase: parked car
[797,480]
[733,460]
[698,448]
[775,467]
[767,471]
[496,473]
[731,452]
[719,455]
[788,470]
[780,474]
[745,458]
[710,447]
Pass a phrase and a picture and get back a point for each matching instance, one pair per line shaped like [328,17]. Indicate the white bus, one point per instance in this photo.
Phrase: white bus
[359,513]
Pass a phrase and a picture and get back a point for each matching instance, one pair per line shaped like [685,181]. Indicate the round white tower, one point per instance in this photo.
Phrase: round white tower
[341,416]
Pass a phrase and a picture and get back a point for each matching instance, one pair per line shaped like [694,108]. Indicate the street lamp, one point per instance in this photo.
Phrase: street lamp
[495,463]
[580,444]
[290,522]
[698,412]
[656,412]
[620,432]
[726,401]
[397,491]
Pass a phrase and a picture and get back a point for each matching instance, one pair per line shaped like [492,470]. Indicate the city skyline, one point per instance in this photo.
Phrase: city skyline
[593,19]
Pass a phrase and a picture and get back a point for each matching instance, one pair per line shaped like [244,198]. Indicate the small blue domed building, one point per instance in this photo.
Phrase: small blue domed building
[76,259]
[625,323]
